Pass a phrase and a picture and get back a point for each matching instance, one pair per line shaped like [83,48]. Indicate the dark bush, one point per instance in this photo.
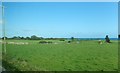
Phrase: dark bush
[49,42]
[43,42]
[69,41]
[62,39]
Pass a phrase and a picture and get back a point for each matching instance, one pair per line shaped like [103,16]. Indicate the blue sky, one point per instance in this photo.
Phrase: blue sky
[62,19]
[0,20]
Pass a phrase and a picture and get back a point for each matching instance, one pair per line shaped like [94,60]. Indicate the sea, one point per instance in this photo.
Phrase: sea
[94,38]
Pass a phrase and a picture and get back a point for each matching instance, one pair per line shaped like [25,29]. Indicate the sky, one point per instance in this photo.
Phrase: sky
[62,19]
[0,19]
[60,0]
[0,34]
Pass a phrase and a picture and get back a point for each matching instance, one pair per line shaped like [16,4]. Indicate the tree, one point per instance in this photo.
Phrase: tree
[21,37]
[72,38]
[5,38]
[107,39]
[41,38]
[119,36]
[34,37]
[16,37]
[27,38]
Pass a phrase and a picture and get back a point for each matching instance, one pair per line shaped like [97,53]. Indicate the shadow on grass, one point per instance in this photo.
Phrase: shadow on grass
[8,66]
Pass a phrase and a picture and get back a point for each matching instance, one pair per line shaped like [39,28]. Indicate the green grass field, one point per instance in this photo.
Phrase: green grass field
[83,56]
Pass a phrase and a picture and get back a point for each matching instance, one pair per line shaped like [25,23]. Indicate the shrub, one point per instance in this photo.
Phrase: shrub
[62,39]
[43,42]
[49,42]
[69,41]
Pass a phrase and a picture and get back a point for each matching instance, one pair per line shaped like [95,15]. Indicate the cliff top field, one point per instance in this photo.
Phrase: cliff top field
[59,36]
[83,55]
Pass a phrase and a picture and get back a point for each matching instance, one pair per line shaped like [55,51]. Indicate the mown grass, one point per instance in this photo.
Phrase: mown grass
[83,56]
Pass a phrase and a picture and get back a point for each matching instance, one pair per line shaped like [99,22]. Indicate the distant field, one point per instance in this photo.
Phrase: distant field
[61,56]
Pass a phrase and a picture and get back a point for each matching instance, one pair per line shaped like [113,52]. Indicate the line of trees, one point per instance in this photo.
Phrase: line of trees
[34,37]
